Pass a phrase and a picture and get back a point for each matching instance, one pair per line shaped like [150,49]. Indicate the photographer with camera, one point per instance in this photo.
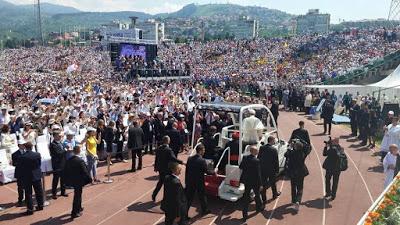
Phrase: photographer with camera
[334,164]
[296,170]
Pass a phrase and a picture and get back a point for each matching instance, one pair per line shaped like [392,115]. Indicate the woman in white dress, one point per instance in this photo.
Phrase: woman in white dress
[392,136]
[389,164]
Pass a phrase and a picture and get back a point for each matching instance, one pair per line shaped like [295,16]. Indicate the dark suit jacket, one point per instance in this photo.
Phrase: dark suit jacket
[302,134]
[210,144]
[196,167]
[327,112]
[135,138]
[251,171]
[164,155]
[275,110]
[297,167]
[30,163]
[146,129]
[176,140]
[174,203]
[269,161]
[159,129]
[332,161]
[16,156]
[58,156]
[76,173]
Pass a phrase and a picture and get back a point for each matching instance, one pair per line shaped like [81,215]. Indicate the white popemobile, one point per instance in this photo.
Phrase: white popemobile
[225,184]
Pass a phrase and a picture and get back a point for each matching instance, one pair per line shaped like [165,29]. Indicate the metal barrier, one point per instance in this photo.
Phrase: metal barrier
[228,149]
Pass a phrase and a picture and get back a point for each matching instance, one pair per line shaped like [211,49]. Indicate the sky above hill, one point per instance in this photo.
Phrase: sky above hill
[339,9]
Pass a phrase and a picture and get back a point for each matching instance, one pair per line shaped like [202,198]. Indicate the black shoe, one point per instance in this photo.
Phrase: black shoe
[29,212]
[260,209]
[54,197]
[276,195]
[81,210]
[205,212]
[20,204]
[39,208]
[332,198]
[76,215]
[153,198]
[363,143]
[132,171]
[64,195]
[139,168]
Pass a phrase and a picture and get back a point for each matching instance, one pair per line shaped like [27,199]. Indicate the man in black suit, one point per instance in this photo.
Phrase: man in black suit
[31,175]
[58,157]
[135,144]
[159,128]
[164,156]
[251,178]
[16,156]
[297,171]
[174,203]
[210,143]
[353,117]
[327,114]
[275,112]
[176,139]
[269,161]
[196,167]
[148,130]
[332,167]
[76,176]
[300,133]
[363,124]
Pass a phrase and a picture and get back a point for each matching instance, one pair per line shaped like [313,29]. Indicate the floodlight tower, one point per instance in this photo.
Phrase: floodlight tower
[394,12]
[38,22]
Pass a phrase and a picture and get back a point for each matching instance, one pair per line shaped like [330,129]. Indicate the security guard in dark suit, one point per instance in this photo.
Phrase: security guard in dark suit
[331,164]
[174,203]
[251,178]
[135,144]
[16,156]
[58,157]
[31,175]
[353,117]
[176,139]
[196,167]
[77,176]
[269,161]
[164,156]
[300,133]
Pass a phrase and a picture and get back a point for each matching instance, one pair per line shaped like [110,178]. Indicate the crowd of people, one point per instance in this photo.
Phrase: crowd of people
[39,98]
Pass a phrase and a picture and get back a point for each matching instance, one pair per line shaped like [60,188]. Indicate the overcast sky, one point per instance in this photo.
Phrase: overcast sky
[339,9]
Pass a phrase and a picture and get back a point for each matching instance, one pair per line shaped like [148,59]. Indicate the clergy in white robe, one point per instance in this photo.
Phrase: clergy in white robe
[392,136]
[389,164]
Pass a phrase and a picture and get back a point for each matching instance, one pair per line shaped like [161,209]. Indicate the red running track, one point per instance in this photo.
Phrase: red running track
[128,199]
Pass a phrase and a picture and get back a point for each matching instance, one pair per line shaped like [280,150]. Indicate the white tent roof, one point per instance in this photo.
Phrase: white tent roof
[391,81]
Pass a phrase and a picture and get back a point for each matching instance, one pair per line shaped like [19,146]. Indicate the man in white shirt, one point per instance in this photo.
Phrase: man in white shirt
[252,129]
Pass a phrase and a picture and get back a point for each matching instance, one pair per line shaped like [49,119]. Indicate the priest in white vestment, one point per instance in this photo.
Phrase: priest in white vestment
[389,164]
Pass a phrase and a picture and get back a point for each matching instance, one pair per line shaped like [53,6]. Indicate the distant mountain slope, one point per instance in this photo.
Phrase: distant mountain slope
[213,10]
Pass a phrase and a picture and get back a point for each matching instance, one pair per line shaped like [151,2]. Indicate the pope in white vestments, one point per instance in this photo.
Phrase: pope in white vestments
[389,164]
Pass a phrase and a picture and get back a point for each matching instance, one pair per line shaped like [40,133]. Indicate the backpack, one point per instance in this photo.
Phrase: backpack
[343,164]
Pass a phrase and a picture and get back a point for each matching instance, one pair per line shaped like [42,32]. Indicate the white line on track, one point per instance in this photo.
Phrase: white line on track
[10,189]
[134,201]
[219,214]
[100,194]
[323,184]
[275,205]
[362,178]
[159,220]
[359,173]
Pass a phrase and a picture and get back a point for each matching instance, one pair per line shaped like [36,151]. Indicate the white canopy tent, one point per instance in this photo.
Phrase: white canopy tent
[390,86]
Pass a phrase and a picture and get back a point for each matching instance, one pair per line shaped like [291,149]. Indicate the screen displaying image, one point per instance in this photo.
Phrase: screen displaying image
[133,50]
